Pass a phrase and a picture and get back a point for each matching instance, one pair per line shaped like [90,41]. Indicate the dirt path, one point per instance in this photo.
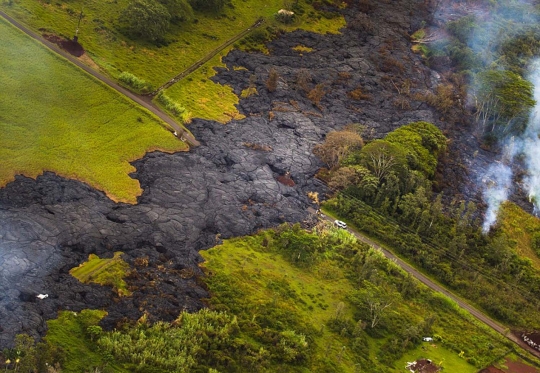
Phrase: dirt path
[428,282]
[208,57]
[146,102]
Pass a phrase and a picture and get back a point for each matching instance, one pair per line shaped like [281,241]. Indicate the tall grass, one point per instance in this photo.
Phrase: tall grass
[137,84]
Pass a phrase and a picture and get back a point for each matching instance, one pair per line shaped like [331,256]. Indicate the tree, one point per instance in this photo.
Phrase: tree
[375,301]
[180,10]
[337,146]
[382,157]
[207,5]
[146,19]
[502,97]
[271,82]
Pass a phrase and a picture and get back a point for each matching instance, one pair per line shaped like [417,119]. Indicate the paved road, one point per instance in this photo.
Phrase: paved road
[208,57]
[428,282]
[146,102]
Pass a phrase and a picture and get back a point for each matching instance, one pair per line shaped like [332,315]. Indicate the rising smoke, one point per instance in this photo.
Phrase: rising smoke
[493,28]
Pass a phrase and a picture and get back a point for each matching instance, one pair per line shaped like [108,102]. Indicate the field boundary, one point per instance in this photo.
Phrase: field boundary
[206,58]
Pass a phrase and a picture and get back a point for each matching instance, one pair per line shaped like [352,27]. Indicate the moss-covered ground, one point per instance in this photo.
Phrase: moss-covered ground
[55,117]
[106,271]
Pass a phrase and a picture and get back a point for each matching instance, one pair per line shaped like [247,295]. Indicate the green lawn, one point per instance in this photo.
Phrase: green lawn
[104,272]
[55,117]
[448,360]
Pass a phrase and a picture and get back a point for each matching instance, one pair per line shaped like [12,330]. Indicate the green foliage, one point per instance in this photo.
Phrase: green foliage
[503,97]
[446,241]
[84,130]
[174,108]
[463,28]
[173,347]
[104,272]
[71,333]
[207,5]
[137,84]
[146,19]
[180,10]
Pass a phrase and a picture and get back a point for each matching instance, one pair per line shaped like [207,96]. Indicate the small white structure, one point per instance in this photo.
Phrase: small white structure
[42,296]
[285,12]
[427,339]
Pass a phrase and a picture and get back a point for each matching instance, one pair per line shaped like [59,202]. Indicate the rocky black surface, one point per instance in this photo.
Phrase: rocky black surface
[228,186]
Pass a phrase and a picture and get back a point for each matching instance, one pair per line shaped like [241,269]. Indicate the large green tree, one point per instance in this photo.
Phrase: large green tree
[146,19]
[503,98]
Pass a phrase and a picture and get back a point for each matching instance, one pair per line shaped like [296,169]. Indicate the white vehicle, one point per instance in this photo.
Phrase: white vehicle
[340,224]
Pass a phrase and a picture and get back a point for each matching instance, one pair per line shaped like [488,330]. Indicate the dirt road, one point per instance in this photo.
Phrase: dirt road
[146,102]
[428,282]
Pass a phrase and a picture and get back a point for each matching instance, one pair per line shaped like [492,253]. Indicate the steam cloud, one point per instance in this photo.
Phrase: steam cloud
[496,181]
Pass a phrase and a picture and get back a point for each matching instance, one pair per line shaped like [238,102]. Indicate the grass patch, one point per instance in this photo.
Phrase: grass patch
[70,332]
[253,278]
[104,272]
[449,360]
[55,117]
[202,97]
[302,49]
[523,230]
[184,45]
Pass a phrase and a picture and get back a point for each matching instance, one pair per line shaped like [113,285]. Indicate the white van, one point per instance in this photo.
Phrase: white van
[340,224]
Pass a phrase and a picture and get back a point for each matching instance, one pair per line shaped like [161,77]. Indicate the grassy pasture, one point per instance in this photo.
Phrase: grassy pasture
[55,117]
[104,272]
[187,43]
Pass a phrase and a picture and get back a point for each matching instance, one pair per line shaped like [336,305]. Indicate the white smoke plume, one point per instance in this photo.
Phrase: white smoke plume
[497,183]
[531,141]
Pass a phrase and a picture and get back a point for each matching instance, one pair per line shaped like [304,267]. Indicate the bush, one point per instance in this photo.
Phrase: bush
[175,108]
[137,84]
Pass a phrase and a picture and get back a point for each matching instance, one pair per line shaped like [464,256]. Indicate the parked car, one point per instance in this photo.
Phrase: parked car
[340,224]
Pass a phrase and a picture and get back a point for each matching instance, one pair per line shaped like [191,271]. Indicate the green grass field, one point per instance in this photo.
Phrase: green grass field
[104,272]
[442,357]
[55,117]
[114,53]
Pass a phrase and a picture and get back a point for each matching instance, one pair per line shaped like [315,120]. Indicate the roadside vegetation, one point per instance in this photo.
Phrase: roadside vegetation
[385,190]
[55,117]
[288,300]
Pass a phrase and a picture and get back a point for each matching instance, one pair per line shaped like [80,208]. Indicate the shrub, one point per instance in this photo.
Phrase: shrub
[175,108]
[137,84]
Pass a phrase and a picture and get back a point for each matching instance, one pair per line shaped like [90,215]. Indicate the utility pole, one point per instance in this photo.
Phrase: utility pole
[76,37]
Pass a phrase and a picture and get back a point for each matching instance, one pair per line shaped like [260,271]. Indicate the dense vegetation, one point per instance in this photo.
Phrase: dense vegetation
[82,130]
[285,300]
[493,54]
[386,191]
